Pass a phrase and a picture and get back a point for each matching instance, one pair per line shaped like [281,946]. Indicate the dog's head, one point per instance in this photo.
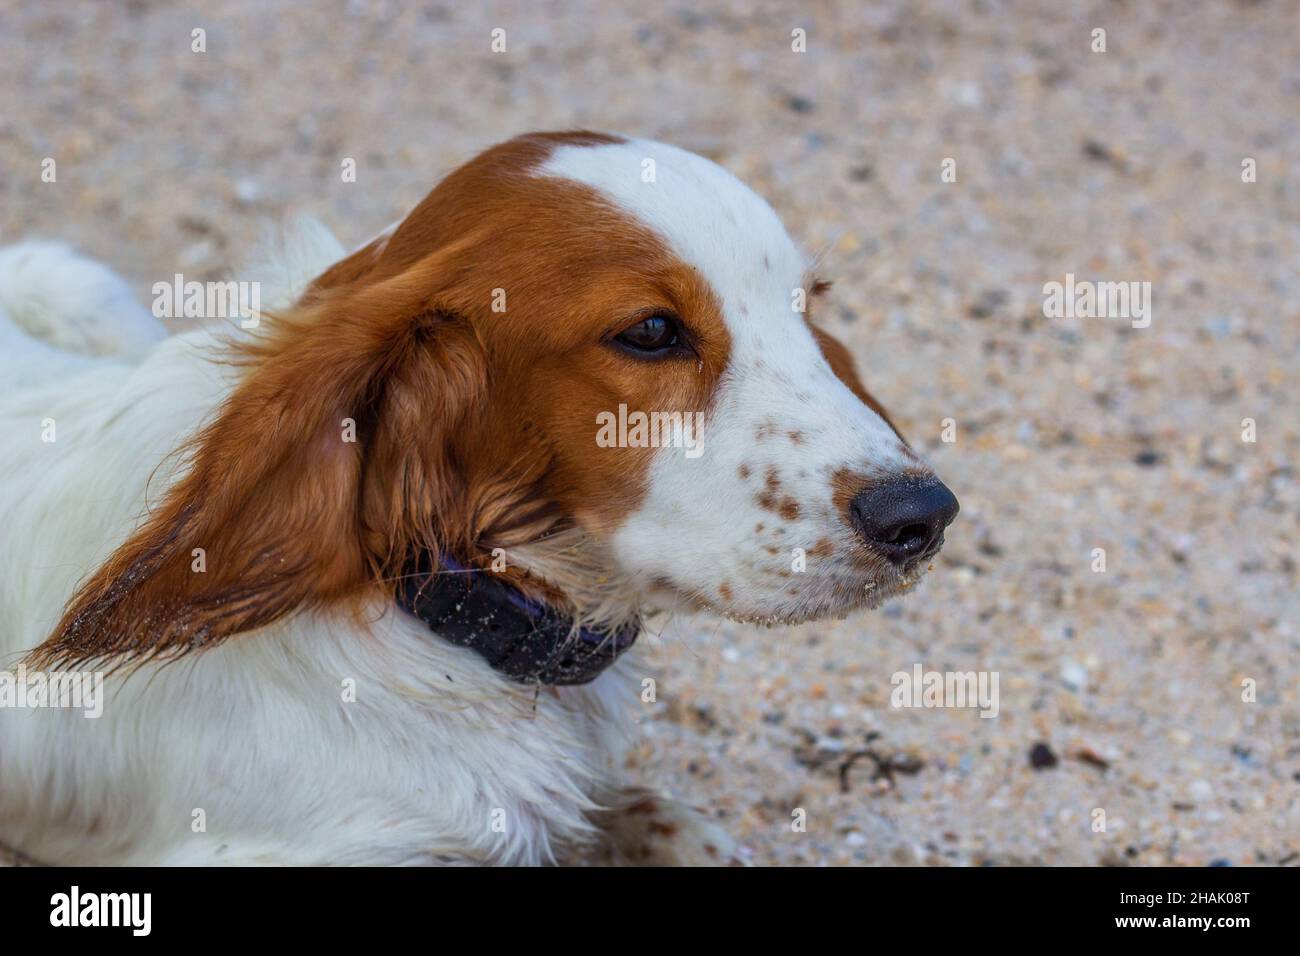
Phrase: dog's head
[594,354]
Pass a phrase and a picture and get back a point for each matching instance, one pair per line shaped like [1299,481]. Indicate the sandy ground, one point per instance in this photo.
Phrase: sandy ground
[1070,434]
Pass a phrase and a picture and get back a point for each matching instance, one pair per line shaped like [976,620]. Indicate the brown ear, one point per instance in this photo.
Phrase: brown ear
[276,494]
[841,362]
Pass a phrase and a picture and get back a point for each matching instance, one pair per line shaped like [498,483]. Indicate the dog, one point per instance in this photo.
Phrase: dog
[362,584]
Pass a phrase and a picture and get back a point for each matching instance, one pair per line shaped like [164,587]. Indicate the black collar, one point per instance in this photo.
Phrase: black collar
[527,641]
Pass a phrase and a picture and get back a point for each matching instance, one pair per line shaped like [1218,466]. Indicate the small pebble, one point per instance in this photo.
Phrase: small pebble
[1041,757]
[1074,675]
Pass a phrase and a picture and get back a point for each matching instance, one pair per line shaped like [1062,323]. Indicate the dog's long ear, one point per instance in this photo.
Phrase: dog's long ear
[273,512]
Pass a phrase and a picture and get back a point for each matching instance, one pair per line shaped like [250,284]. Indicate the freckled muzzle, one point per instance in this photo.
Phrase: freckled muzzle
[903,519]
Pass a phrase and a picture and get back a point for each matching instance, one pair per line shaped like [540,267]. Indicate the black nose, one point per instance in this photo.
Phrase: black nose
[903,518]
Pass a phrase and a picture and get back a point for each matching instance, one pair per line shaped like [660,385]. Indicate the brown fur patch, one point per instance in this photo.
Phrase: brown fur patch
[847,484]
[771,499]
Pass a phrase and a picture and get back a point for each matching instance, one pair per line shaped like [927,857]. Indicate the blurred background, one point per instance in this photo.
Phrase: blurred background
[1120,690]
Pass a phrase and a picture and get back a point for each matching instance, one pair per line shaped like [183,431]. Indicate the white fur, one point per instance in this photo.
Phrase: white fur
[436,748]
[73,303]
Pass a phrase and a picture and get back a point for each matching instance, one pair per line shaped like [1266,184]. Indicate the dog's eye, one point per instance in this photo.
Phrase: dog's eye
[658,333]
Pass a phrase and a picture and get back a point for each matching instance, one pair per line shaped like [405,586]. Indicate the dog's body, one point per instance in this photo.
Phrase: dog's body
[413,771]
[343,730]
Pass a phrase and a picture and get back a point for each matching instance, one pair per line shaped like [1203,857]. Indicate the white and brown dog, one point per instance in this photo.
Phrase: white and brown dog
[362,579]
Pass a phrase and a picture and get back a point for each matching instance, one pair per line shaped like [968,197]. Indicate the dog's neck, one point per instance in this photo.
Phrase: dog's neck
[577,572]
[557,617]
